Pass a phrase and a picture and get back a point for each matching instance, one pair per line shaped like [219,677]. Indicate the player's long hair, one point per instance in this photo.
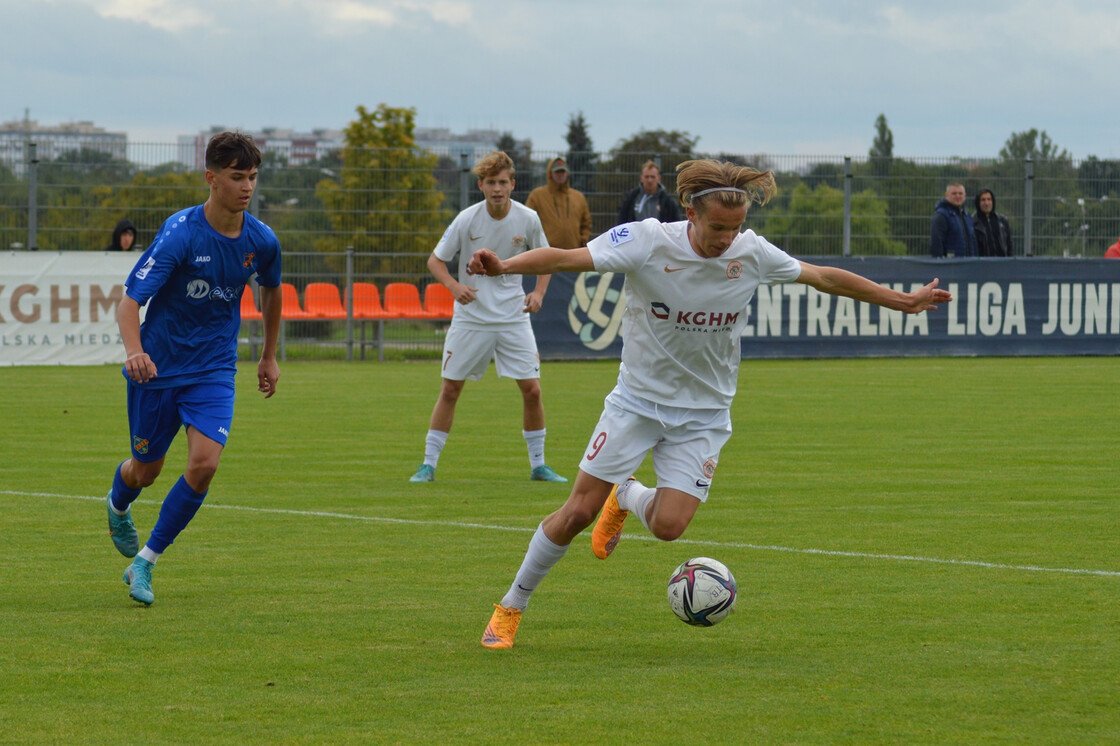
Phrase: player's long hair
[733,185]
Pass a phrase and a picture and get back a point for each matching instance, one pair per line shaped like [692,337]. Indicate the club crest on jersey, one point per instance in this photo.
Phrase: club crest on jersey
[140,445]
[518,242]
[247,259]
[734,269]
[198,289]
[620,235]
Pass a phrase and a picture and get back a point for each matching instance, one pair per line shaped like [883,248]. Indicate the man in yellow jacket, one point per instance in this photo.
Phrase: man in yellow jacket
[563,210]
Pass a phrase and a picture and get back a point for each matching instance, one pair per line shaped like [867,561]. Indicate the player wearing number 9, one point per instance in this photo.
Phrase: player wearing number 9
[688,287]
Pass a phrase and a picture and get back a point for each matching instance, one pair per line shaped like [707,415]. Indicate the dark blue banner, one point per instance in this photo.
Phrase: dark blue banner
[1000,307]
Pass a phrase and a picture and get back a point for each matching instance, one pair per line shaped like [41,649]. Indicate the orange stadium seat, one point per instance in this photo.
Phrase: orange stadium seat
[323,301]
[402,301]
[438,301]
[249,310]
[367,302]
[292,309]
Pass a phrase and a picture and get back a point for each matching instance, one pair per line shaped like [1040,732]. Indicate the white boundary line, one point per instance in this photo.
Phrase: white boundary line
[693,542]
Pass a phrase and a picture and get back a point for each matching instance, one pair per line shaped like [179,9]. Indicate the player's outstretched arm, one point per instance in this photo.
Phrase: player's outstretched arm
[543,261]
[836,281]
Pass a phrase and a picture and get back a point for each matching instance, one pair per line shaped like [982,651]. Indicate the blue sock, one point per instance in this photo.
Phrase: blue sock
[122,493]
[177,510]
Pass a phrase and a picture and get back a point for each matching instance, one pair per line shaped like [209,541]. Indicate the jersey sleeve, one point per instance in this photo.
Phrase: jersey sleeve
[536,237]
[775,265]
[448,246]
[268,271]
[623,248]
[157,263]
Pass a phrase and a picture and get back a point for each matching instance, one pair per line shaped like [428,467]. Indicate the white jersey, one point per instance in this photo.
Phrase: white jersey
[499,300]
[685,313]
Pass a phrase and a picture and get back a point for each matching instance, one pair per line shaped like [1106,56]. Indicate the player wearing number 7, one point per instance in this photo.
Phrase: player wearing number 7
[688,286]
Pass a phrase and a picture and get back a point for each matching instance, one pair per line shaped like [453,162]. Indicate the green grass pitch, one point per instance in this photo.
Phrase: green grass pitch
[927,551]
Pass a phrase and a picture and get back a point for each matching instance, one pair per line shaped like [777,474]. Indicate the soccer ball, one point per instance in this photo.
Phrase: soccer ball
[702,592]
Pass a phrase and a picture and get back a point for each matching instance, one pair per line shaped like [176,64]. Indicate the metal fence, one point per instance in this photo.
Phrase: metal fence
[827,205]
[374,215]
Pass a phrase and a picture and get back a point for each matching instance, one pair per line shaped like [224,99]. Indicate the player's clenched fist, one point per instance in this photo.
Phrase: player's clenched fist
[485,262]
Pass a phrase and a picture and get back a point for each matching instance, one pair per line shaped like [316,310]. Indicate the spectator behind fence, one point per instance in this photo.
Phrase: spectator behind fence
[491,320]
[563,210]
[1113,251]
[993,231]
[124,236]
[951,228]
[649,199]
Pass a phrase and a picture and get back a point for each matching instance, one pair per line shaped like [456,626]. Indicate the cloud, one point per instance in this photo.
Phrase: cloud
[355,16]
[162,14]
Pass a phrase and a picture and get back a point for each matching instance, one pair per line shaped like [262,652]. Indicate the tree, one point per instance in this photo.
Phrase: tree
[385,200]
[882,148]
[813,223]
[582,157]
[1034,145]
[521,151]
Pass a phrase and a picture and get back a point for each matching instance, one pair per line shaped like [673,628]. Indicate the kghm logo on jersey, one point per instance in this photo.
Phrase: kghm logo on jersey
[701,321]
[734,269]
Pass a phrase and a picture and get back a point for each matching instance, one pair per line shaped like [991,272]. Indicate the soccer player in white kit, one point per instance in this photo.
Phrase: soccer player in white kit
[687,288]
[491,319]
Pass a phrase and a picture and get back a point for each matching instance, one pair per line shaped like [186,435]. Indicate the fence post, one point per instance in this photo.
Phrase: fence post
[464,181]
[1028,204]
[32,198]
[847,240]
[349,304]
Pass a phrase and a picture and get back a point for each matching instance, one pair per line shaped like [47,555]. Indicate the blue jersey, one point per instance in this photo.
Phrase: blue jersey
[192,279]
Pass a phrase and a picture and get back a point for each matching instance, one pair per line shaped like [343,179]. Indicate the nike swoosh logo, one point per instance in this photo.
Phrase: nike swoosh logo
[475,238]
[703,485]
[674,269]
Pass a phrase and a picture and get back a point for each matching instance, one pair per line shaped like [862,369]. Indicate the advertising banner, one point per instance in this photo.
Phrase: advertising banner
[60,308]
[1000,307]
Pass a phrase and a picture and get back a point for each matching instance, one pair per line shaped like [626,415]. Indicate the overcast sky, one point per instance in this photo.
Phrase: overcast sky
[780,77]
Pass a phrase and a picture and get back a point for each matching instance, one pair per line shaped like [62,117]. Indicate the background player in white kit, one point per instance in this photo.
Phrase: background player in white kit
[688,285]
[491,319]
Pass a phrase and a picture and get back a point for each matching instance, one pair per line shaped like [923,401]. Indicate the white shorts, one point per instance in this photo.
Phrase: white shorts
[468,352]
[685,442]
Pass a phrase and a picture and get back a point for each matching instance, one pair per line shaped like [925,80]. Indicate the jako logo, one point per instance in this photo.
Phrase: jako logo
[693,318]
[198,289]
[201,259]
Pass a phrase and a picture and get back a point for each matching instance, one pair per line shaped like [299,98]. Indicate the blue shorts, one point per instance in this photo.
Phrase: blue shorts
[155,415]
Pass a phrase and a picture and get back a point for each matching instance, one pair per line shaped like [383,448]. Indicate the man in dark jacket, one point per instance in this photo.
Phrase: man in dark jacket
[124,235]
[951,227]
[993,232]
[649,200]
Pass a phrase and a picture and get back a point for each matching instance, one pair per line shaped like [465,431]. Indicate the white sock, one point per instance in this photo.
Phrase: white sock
[148,554]
[433,447]
[534,441]
[539,559]
[636,498]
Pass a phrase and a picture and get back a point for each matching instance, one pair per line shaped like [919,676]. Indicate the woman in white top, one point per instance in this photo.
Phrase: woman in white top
[688,285]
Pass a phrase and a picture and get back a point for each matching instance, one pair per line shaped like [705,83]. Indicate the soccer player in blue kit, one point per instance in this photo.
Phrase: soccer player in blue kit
[180,363]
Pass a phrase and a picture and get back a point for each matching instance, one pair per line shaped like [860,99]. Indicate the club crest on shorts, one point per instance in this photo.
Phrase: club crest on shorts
[709,468]
[140,445]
